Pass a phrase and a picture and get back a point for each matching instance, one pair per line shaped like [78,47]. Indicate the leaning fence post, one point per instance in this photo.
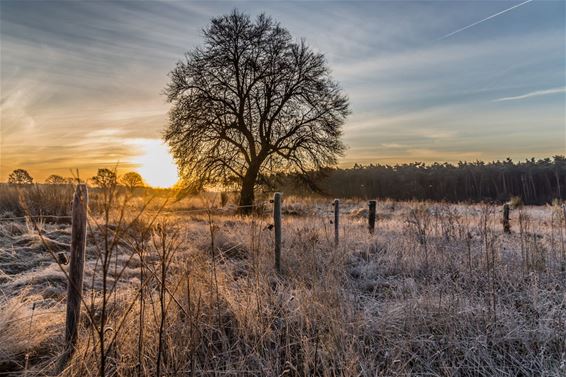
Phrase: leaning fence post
[372,215]
[277,226]
[506,223]
[336,204]
[76,266]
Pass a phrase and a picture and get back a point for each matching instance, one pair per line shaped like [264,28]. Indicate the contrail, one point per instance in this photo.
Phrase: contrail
[485,19]
[533,94]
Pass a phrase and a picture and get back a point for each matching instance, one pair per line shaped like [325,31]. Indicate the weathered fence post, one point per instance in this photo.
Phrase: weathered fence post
[277,226]
[372,215]
[506,223]
[76,267]
[336,204]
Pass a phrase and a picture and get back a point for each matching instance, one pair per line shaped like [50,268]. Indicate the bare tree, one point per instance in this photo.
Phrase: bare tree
[20,177]
[252,101]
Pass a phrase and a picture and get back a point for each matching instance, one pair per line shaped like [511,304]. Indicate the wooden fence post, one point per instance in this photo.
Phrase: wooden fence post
[372,215]
[277,226]
[76,267]
[336,221]
[506,223]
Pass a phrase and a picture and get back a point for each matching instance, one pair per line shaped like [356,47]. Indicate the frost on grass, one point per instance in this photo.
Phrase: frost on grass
[437,290]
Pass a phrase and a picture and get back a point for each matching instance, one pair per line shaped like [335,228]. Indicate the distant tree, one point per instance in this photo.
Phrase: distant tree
[252,102]
[132,180]
[20,177]
[105,178]
[55,179]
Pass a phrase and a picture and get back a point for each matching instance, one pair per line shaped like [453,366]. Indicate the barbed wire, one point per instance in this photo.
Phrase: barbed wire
[169,211]
[173,211]
[36,217]
[257,205]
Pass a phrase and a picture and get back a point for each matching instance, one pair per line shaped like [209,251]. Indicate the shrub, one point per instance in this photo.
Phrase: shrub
[516,202]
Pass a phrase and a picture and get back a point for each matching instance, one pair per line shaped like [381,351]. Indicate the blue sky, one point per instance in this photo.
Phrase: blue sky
[81,82]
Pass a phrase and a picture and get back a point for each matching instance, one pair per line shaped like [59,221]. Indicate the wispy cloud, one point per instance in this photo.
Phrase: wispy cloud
[483,20]
[536,93]
[104,65]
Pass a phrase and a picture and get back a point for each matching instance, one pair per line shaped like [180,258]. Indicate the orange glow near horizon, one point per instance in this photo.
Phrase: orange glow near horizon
[155,164]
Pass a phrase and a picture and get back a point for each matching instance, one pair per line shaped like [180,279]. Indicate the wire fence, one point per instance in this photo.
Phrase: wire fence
[37,217]
[210,209]
[348,223]
[180,211]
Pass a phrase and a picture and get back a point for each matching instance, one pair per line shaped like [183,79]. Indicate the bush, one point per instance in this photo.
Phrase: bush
[516,202]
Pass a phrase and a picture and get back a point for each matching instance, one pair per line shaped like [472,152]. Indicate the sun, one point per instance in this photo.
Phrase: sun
[155,163]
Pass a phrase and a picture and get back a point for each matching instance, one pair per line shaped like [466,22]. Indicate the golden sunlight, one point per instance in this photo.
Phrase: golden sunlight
[155,163]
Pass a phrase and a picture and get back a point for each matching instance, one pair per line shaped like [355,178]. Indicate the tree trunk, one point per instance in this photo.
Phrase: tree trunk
[247,190]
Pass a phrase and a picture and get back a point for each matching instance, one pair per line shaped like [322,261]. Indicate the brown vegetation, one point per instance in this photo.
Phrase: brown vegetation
[438,289]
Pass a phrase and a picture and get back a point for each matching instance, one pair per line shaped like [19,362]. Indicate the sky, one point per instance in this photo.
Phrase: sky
[81,82]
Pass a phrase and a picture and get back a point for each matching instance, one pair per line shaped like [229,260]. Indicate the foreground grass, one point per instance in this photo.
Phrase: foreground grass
[437,290]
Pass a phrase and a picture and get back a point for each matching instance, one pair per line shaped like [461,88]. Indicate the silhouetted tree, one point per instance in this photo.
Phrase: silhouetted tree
[132,180]
[252,101]
[105,178]
[20,177]
[55,179]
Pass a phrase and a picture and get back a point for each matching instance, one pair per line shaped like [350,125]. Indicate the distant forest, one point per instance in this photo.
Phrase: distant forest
[534,181]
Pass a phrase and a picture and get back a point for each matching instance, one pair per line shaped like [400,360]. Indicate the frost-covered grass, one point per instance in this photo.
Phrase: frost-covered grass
[437,290]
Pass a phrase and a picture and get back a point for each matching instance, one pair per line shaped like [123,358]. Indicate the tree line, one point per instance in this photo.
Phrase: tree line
[534,181]
[103,178]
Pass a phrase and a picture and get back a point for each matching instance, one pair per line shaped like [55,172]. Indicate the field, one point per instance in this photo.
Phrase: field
[189,288]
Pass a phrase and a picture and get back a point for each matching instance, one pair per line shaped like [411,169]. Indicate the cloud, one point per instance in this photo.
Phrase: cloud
[536,93]
[393,145]
[443,58]
[133,114]
[86,76]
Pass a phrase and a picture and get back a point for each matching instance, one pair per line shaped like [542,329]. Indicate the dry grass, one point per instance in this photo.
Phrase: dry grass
[437,290]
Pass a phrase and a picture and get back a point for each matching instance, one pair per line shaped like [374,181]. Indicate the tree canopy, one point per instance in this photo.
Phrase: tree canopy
[20,177]
[132,180]
[534,181]
[55,179]
[105,178]
[252,101]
